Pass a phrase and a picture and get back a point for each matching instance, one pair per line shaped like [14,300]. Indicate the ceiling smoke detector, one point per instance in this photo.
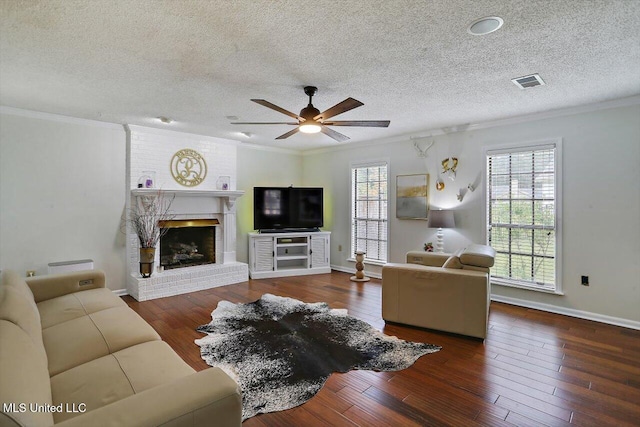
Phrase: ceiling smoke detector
[525,82]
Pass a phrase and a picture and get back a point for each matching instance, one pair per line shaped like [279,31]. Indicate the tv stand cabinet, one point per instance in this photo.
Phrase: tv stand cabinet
[288,254]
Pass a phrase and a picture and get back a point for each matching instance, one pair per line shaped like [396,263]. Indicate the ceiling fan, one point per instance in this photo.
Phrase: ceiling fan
[311,120]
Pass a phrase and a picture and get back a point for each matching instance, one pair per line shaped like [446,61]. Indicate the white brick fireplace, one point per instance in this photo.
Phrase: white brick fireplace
[151,150]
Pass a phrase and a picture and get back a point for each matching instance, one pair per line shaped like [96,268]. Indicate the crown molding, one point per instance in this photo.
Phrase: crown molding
[580,109]
[58,118]
[427,133]
[253,146]
[131,129]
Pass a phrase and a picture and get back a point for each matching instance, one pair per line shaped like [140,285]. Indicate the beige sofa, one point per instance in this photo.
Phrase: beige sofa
[74,354]
[444,292]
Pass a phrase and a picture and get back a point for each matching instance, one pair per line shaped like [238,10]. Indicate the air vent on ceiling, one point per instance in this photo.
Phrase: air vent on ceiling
[526,82]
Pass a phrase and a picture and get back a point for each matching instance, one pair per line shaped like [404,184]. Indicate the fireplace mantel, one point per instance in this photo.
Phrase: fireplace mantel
[229,196]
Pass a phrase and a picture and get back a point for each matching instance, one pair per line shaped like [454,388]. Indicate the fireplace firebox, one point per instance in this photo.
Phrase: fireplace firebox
[188,243]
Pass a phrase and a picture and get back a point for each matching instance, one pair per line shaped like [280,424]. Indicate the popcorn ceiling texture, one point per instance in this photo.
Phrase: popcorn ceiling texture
[409,61]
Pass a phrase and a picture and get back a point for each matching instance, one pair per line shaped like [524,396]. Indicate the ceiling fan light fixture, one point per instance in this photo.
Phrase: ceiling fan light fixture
[309,128]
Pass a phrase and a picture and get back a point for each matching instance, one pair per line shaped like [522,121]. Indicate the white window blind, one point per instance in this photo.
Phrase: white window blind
[369,221]
[522,213]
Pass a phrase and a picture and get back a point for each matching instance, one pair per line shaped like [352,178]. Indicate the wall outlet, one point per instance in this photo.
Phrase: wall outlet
[31,273]
[584,281]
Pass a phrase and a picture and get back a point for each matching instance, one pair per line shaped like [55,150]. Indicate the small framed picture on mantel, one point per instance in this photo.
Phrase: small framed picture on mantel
[412,196]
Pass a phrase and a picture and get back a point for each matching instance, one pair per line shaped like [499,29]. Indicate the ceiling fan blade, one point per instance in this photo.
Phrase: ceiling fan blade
[288,134]
[339,108]
[275,107]
[333,134]
[363,123]
[265,123]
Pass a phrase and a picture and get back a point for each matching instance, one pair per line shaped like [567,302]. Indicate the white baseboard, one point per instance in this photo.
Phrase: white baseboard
[353,271]
[625,323]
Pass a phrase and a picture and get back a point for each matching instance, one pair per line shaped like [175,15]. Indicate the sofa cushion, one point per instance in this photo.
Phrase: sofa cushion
[74,342]
[116,376]
[478,256]
[78,304]
[17,306]
[25,378]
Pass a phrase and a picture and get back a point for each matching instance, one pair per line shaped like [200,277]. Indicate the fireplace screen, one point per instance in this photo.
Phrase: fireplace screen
[188,243]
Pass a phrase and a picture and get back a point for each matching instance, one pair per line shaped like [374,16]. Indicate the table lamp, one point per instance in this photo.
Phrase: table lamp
[440,219]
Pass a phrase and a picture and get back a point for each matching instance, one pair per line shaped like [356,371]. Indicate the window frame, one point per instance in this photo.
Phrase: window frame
[365,164]
[523,147]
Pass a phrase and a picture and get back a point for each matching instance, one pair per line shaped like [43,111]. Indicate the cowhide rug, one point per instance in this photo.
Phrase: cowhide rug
[281,351]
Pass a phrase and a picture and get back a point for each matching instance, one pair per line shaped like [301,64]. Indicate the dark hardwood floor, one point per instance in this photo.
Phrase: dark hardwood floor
[534,369]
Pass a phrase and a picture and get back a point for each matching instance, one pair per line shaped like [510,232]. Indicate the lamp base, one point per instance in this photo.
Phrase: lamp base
[439,249]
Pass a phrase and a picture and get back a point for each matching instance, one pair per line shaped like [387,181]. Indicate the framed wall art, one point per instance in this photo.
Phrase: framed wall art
[412,196]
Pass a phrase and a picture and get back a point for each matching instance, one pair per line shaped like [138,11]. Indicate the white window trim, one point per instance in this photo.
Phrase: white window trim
[369,163]
[526,146]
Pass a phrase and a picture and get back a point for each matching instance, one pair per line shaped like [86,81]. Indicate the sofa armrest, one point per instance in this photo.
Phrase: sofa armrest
[56,285]
[430,259]
[205,398]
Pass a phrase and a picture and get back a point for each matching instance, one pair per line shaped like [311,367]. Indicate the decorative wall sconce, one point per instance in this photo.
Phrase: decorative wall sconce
[449,167]
[471,187]
[460,195]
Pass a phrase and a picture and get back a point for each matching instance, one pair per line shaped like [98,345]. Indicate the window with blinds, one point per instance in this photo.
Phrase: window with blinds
[522,216]
[369,221]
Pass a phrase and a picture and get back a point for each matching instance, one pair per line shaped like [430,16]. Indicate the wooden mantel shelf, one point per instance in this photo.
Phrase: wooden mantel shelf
[231,194]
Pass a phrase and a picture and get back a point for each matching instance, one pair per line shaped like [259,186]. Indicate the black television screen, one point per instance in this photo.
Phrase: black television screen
[277,208]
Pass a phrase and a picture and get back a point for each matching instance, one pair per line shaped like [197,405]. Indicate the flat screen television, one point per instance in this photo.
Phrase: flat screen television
[287,208]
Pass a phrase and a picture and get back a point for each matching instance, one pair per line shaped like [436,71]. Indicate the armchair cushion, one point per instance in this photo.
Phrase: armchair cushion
[453,262]
[478,256]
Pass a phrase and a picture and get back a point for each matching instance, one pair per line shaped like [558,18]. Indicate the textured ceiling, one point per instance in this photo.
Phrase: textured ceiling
[411,62]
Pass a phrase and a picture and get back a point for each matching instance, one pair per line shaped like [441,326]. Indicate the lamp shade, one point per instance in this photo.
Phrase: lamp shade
[441,219]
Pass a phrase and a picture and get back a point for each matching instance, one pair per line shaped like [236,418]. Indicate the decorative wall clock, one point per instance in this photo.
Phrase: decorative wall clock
[188,167]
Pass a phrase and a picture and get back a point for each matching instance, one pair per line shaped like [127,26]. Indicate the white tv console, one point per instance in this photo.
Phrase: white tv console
[288,254]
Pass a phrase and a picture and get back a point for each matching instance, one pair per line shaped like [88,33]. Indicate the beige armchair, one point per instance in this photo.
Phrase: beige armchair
[448,293]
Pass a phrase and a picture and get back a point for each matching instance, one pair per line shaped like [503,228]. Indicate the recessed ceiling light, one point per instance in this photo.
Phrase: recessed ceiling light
[163,119]
[486,25]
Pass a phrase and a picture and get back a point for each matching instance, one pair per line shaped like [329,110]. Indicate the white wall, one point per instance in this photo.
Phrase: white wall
[261,166]
[601,154]
[63,191]
[61,194]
